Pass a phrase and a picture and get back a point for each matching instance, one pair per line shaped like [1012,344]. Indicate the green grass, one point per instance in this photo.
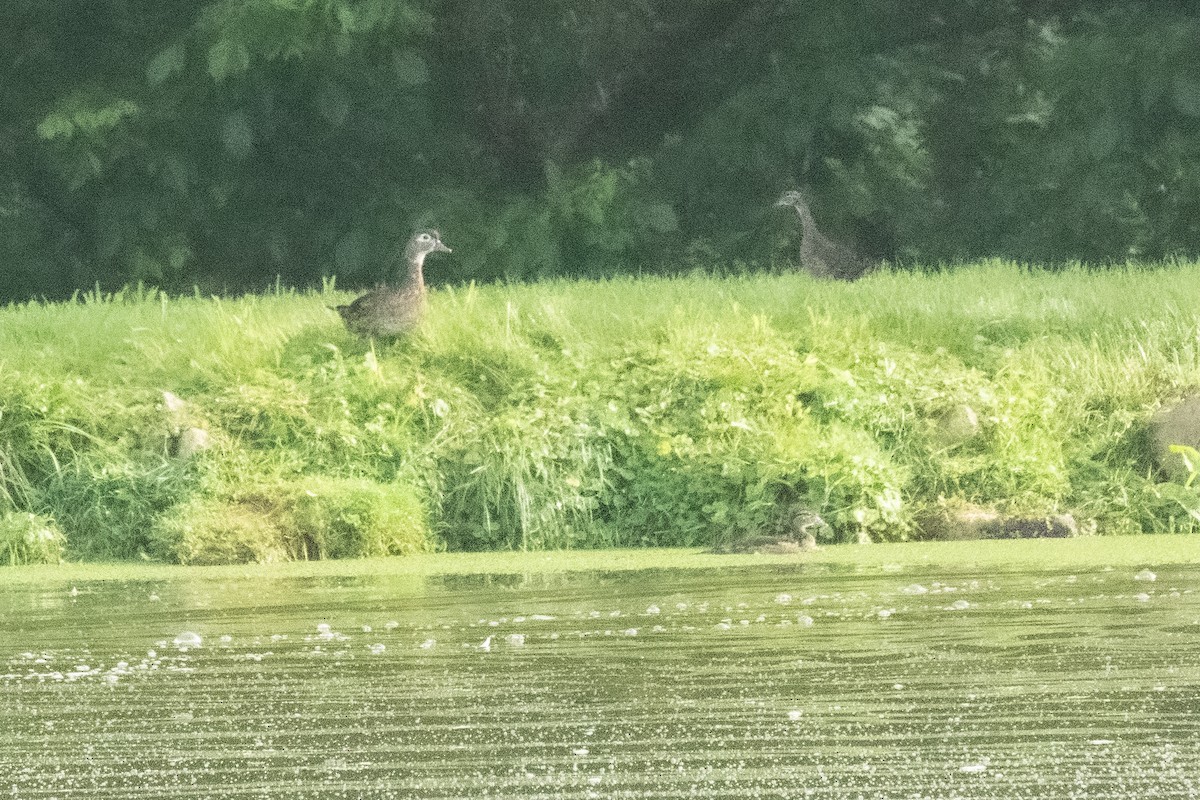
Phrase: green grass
[625,413]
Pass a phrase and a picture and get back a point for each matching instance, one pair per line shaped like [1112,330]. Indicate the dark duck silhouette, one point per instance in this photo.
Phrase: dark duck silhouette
[391,311]
[820,255]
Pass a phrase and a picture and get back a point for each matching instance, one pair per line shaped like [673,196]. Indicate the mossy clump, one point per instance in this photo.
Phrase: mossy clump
[355,518]
[210,531]
[29,539]
[308,518]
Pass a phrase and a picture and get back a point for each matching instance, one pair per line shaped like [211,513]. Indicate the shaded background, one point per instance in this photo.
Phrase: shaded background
[223,144]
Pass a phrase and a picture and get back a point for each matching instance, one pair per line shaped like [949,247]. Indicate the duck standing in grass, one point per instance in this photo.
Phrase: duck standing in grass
[391,311]
[820,255]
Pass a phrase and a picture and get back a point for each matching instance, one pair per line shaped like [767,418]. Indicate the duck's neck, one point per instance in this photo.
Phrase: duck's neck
[416,274]
[806,218]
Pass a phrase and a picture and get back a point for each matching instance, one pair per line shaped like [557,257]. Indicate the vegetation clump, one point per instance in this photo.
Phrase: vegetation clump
[627,412]
[29,539]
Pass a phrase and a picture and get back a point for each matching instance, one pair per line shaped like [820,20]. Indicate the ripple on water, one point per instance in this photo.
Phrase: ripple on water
[187,640]
[724,701]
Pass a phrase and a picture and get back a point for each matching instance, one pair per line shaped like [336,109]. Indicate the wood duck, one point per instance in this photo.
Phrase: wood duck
[390,311]
[820,255]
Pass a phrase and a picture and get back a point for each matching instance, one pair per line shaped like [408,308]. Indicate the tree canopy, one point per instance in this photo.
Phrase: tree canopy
[223,143]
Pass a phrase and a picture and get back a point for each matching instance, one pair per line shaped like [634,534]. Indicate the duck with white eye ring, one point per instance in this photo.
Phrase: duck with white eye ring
[391,311]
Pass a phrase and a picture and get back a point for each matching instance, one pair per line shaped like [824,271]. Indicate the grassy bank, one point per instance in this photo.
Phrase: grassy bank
[678,412]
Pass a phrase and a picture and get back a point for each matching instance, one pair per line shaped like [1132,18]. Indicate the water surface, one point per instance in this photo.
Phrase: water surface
[752,679]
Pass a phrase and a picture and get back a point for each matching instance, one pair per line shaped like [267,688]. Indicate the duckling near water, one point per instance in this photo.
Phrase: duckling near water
[391,311]
[799,536]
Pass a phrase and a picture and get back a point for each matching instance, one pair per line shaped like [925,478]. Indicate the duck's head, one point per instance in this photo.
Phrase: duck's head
[792,198]
[424,242]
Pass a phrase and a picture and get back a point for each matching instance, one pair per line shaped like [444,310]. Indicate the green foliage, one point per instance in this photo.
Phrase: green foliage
[82,116]
[91,457]
[156,169]
[29,539]
[1191,462]
[312,518]
[357,518]
[724,440]
[526,477]
[106,504]
[1174,506]
[209,531]
[591,220]
[224,143]
[655,411]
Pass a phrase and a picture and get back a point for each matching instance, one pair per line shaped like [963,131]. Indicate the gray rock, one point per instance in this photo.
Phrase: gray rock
[971,522]
[191,441]
[957,523]
[176,413]
[955,426]
[173,403]
[772,545]
[1177,425]
[1056,526]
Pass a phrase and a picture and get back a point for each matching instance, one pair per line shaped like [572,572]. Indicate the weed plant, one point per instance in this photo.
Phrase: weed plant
[29,539]
[656,411]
